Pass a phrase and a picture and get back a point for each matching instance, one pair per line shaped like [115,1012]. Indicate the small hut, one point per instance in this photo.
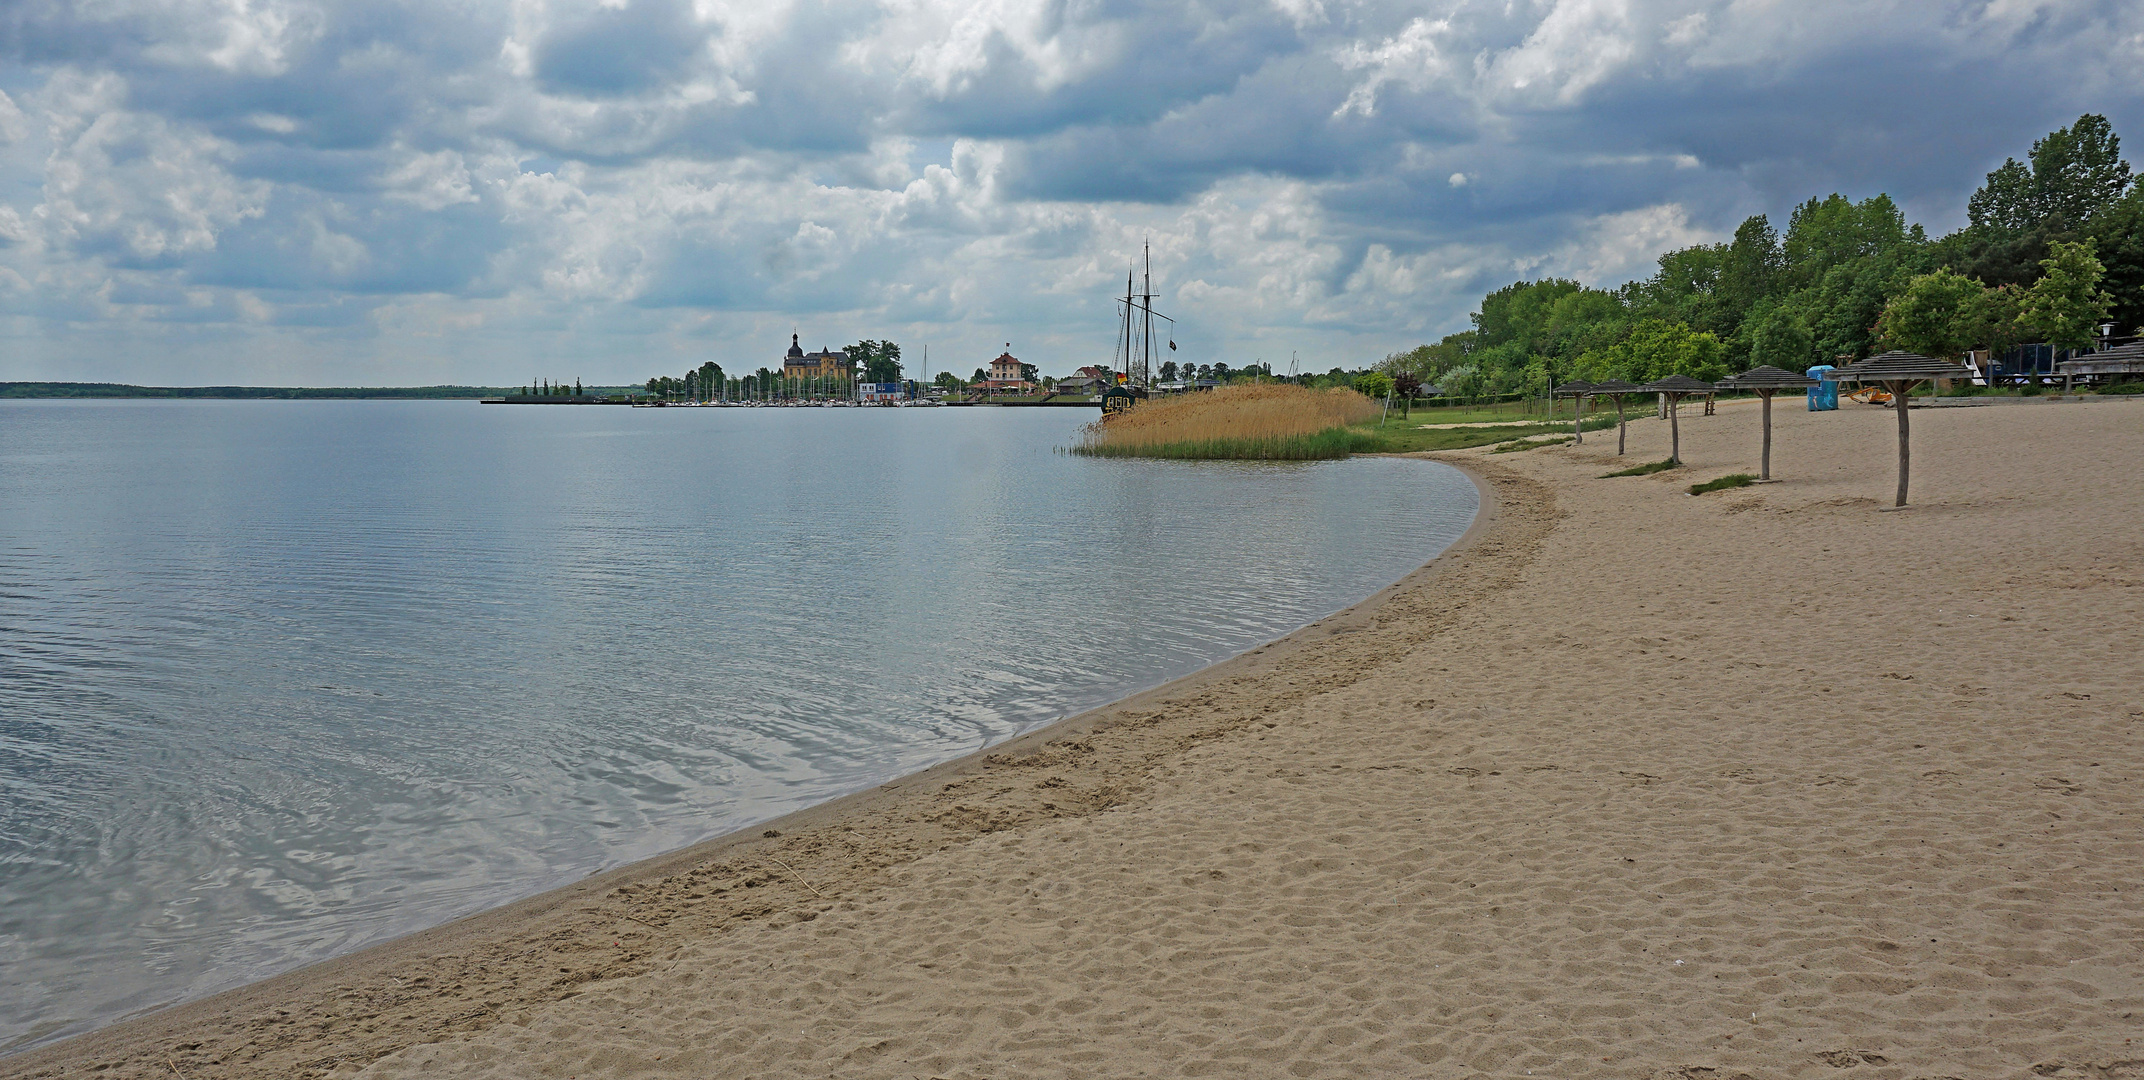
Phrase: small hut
[1576,391]
[1675,388]
[1898,372]
[1616,388]
[1766,381]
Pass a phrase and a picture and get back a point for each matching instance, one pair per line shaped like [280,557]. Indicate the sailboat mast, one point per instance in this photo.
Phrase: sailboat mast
[1124,329]
[1146,316]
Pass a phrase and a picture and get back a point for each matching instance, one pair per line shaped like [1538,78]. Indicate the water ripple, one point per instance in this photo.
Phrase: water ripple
[282,679]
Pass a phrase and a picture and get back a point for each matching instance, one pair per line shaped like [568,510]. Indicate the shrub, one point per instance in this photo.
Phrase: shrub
[2124,388]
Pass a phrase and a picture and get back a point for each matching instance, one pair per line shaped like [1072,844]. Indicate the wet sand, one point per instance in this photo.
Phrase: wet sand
[1630,783]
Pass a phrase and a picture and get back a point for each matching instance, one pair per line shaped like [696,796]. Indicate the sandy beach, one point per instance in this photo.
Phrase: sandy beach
[1765,783]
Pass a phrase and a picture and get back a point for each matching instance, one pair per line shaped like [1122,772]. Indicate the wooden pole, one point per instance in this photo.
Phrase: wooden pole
[1578,412]
[1905,436]
[1765,468]
[1674,429]
[1619,425]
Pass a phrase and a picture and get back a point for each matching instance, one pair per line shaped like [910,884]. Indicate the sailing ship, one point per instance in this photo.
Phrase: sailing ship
[1135,360]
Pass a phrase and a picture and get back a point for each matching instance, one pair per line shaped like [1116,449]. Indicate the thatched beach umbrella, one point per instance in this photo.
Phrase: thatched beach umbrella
[1616,388]
[1766,381]
[1577,392]
[1676,388]
[1898,372]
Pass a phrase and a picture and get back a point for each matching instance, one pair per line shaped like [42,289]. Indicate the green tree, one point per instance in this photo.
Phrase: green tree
[1995,317]
[2118,236]
[1934,315]
[2076,172]
[1779,335]
[2067,186]
[880,360]
[1657,348]
[2067,305]
[1375,384]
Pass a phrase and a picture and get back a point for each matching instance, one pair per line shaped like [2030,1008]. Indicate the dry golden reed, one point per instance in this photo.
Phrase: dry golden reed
[1270,420]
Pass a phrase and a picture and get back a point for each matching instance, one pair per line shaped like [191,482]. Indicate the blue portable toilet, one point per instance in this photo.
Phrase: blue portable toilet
[1824,396]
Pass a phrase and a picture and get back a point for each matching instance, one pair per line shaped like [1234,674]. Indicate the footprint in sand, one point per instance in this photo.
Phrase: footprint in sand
[1847,1059]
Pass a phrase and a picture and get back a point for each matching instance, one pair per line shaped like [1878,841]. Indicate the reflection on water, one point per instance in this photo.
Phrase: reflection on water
[281,679]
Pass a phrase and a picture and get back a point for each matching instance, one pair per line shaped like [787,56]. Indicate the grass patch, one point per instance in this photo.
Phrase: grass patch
[1528,444]
[2123,388]
[1648,469]
[1398,438]
[1260,422]
[1337,442]
[1731,480]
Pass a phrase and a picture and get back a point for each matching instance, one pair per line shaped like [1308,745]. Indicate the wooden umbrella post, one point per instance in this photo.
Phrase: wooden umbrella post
[1905,435]
[1674,430]
[1672,390]
[1617,389]
[1764,381]
[1764,465]
[1898,372]
[1576,391]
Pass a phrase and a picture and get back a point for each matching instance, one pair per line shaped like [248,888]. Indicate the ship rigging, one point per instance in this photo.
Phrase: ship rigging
[1134,361]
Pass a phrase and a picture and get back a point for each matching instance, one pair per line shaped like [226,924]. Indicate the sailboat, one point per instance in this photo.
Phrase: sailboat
[1134,361]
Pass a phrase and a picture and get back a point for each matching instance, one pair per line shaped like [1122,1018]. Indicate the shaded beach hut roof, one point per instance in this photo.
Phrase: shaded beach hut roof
[1678,384]
[1615,386]
[1573,389]
[1767,377]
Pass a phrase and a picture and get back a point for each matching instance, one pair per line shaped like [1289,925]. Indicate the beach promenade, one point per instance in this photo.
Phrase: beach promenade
[1633,784]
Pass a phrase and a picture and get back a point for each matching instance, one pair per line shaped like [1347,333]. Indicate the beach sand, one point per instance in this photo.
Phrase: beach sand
[1762,783]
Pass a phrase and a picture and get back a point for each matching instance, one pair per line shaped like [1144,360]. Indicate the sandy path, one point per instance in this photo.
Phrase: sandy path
[1764,782]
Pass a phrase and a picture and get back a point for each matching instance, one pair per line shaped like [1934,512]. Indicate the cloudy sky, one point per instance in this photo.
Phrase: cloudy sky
[339,192]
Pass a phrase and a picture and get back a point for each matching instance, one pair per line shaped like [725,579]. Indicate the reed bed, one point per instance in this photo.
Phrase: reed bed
[1265,422]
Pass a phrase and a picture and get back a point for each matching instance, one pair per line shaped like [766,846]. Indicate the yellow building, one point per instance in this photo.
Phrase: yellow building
[826,364]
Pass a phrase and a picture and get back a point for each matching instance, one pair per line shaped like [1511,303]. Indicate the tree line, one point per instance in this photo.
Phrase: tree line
[869,361]
[2053,247]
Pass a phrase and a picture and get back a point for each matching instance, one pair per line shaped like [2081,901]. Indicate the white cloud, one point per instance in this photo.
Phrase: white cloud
[1614,248]
[1327,176]
[1410,58]
[136,182]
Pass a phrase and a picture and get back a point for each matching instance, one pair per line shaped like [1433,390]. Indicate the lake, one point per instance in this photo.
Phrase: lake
[282,679]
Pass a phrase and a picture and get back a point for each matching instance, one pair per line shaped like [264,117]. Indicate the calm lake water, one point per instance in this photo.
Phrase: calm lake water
[282,679]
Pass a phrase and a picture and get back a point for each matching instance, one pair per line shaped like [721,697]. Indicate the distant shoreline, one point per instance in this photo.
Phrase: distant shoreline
[127,390]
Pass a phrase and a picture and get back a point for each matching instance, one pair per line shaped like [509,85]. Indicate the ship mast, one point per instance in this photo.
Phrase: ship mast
[1135,330]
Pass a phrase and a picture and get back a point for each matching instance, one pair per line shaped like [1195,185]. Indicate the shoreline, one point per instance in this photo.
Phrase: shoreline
[283,1023]
[1630,785]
